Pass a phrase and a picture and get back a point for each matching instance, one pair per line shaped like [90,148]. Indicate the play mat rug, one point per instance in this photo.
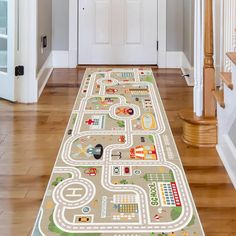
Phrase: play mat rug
[118,172]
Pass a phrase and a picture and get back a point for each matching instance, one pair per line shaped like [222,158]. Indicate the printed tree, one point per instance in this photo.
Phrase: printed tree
[121,123]
[145,177]
[124,181]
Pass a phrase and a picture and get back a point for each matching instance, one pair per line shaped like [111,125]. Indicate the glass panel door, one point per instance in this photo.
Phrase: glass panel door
[3,35]
[7,49]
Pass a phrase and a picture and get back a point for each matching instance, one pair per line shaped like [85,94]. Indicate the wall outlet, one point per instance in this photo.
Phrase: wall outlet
[44,43]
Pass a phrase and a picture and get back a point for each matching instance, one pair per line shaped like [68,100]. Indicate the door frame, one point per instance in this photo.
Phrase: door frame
[73,33]
[8,77]
[24,50]
[26,54]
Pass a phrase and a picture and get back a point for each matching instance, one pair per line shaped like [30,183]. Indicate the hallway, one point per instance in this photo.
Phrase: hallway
[25,131]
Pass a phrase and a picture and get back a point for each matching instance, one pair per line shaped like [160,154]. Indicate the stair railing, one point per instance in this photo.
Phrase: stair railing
[228,31]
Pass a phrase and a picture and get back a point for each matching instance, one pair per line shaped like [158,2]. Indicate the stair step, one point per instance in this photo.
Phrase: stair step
[219,96]
[232,56]
[226,77]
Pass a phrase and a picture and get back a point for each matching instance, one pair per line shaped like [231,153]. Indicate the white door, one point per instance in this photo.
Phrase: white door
[117,32]
[7,49]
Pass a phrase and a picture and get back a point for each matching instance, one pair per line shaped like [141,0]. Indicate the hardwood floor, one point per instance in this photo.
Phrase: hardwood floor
[30,137]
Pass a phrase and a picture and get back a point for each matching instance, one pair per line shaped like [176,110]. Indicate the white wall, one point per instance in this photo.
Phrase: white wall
[60,25]
[174,24]
[44,24]
[188,30]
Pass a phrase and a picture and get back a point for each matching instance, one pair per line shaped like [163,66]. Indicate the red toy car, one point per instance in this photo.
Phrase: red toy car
[121,139]
[127,170]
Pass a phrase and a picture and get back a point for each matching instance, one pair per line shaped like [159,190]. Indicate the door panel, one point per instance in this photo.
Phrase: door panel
[103,19]
[133,22]
[7,49]
[117,32]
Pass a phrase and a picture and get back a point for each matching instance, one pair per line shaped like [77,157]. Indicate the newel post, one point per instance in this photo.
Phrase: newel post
[209,106]
[200,124]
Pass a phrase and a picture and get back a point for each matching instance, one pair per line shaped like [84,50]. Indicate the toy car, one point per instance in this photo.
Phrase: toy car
[127,170]
[111,91]
[121,139]
[83,219]
[116,170]
[91,172]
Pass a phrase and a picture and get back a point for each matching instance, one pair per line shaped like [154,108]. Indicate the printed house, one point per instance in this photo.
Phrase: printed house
[144,153]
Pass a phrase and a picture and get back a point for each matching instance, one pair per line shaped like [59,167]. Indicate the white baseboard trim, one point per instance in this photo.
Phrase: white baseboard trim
[173,59]
[176,59]
[60,59]
[44,74]
[227,153]
[187,69]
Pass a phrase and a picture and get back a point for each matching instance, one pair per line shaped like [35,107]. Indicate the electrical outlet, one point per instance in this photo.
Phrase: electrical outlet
[44,43]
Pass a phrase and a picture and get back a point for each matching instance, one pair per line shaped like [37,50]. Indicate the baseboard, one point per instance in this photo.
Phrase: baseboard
[187,69]
[60,59]
[176,59]
[44,74]
[227,153]
[173,59]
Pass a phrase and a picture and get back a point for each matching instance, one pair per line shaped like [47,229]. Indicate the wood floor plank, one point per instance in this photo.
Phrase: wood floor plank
[30,137]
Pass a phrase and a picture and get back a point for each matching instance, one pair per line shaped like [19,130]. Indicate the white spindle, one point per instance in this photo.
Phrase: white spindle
[234,26]
[198,57]
[229,33]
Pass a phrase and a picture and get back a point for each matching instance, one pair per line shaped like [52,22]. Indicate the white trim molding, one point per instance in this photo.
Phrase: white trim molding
[173,59]
[226,119]
[73,34]
[44,74]
[187,69]
[60,59]
[26,87]
[162,57]
[227,153]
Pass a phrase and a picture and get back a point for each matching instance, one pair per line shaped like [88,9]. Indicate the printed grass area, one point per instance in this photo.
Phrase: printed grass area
[149,79]
[175,213]
[121,123]
[192,221]
[151,138]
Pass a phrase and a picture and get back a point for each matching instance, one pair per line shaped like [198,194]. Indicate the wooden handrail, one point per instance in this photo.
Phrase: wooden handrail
[209,70]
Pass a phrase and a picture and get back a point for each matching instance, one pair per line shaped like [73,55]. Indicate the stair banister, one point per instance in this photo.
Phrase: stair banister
[200,125]
[209,105]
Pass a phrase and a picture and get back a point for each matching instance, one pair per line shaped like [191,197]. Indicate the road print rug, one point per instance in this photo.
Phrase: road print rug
[118,172]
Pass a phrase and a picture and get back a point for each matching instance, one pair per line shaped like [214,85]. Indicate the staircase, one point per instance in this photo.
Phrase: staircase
[213,120]
[226,113]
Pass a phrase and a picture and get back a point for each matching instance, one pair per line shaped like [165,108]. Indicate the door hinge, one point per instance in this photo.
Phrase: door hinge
[157,45]
[19,70]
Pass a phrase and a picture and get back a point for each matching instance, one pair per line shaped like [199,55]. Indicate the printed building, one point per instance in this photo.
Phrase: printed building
[128,208]
[144,153]
[125,199]
[140,92]
[98,122]
[169,194]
